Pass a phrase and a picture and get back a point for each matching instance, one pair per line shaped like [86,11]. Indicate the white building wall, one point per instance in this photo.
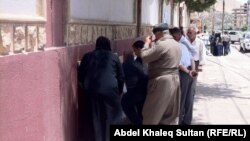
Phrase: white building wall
[18,7]
[150,12]
[176,16]
[185,17]
[103,10]
[166,13]
[21,9]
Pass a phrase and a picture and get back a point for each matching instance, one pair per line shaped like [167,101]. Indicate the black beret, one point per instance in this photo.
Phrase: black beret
[160,27]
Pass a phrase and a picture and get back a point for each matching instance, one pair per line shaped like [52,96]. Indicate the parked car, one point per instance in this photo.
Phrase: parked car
[245,42]
[235,36]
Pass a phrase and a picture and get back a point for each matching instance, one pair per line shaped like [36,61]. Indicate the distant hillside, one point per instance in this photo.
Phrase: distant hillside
[229,5]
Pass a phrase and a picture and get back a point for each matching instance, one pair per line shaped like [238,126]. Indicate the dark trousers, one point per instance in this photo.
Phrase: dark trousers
[212,46]
[219,50]
[226,48]
[187,99]
[132,104]
[106,110]
[196,63]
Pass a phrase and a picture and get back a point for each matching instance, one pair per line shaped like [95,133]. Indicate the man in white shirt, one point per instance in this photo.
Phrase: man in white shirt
[199,59]
[226,43]
[200,48]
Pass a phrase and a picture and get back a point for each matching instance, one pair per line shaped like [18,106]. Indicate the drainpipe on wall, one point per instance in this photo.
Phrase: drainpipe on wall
[48,24]
[54,23]
[161,11]
[138,18]
[180,15]
[172,12]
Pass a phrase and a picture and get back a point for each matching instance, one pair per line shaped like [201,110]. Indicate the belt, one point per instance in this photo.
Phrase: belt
[170,71]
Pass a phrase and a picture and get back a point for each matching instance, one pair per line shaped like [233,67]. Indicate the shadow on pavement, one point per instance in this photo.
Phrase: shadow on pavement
[215,91]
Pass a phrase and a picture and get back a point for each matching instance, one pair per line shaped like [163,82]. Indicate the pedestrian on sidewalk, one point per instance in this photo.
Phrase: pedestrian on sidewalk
[187,72]
[219,45]
[212,40]
[226,43]
[136,81]
[101,77]
[162,102]
[199,60]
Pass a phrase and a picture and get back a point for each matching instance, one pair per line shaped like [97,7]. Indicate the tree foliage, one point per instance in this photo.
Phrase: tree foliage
[244,28]
[197,5]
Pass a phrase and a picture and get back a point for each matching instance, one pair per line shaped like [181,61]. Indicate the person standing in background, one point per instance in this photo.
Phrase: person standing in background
[212,40]
[226,43]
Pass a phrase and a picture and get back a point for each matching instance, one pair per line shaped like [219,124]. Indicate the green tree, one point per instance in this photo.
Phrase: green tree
[244,28]
[197,5]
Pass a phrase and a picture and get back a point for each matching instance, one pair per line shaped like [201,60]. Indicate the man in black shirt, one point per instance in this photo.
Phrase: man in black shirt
[136,83]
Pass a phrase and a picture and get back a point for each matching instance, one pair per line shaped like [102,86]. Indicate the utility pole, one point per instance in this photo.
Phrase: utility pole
[223,15]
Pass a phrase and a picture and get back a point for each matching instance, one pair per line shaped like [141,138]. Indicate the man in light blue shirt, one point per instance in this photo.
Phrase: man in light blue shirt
[187,72]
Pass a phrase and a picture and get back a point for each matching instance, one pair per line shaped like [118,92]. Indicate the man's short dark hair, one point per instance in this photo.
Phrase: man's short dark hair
[174,30]
[138,44]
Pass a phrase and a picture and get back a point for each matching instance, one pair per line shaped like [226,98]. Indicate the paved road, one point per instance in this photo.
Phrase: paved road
[237,46]
[223,90]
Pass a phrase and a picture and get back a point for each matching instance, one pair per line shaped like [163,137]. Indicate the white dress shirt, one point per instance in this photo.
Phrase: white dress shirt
[201,51]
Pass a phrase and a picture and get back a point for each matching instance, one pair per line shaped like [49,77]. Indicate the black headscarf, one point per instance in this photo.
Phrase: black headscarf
[103,43]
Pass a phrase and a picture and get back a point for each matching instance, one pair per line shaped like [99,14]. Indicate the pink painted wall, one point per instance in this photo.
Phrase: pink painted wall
[48,25]
[39,96]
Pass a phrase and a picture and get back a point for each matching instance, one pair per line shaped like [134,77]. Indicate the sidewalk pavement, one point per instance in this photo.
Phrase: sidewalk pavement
[223,90]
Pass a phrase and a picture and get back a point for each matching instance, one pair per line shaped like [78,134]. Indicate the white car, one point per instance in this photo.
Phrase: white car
[245,43]
[235,36]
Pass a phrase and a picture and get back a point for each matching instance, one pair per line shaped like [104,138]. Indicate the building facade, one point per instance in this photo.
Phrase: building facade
[41,42]
[248,15]
[240,18]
